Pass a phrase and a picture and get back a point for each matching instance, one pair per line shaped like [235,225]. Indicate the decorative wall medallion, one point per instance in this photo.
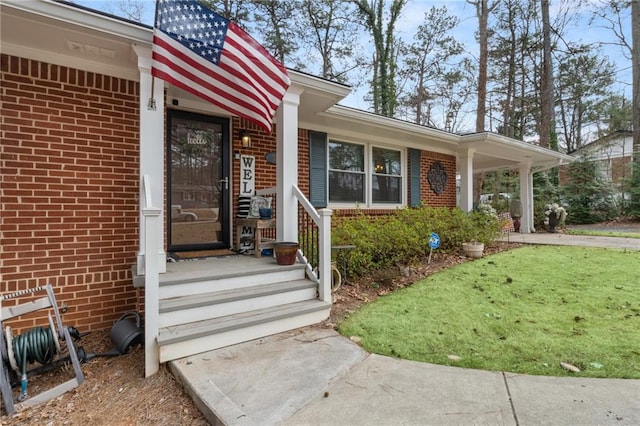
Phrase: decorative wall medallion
[437,177]
[270,157]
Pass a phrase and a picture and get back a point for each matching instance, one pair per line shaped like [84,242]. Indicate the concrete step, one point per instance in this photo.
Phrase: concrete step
[188,339]
[180,310]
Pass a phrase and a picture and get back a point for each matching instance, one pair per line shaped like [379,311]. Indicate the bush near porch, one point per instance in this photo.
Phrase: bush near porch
[402,237]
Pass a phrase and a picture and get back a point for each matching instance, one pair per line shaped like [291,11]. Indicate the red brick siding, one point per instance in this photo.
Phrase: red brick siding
[428,196]
[69,188]
[266,173]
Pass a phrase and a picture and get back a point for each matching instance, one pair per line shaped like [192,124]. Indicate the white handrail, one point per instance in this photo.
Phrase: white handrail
[322,218]
[306,204]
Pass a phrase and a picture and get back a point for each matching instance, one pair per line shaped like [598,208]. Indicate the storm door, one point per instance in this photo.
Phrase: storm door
[198,182]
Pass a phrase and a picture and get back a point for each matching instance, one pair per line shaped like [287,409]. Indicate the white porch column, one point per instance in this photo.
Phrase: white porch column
[465,162]
[151,152]
[287,166]
[526,197]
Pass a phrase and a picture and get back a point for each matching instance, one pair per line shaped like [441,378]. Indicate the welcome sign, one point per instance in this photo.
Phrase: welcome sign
[247,175]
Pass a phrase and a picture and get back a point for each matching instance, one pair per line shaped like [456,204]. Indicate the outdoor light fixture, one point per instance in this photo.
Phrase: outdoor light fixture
[245,138]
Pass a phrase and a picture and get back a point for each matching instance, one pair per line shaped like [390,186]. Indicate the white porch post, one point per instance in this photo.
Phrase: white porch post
[526,197]
[151,152]
[465,161]
[287,166]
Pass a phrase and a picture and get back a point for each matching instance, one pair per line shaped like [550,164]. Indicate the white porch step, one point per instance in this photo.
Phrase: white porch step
[197,337]
[181,310]
[200,277]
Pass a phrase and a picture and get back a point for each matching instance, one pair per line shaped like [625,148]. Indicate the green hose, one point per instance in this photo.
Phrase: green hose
[36,345]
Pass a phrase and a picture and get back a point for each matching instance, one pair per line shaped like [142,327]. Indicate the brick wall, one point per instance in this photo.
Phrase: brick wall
[428,196]
[69,188]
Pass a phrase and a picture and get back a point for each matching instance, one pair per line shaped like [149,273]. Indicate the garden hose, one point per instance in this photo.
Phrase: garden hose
[36,345]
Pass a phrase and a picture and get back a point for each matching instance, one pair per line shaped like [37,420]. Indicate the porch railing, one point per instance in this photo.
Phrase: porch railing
[314,237]
[314,233]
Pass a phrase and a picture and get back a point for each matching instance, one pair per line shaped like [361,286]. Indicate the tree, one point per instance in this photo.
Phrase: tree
[425,64]
[584,81]
[635,34]
[274,21]
[547,110]
[588,194]
[382,29]
[327,28]
[483,9]
[130,9]
[235,10]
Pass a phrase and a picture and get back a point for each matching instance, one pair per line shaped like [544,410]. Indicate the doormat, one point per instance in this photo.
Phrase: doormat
[200,254]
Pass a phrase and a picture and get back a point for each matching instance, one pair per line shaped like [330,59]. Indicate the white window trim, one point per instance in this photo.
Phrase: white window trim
[368,173]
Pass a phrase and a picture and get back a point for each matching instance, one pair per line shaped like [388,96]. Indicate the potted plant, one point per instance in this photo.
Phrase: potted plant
[473,249]
[555,215]
[286,252]
[483,226]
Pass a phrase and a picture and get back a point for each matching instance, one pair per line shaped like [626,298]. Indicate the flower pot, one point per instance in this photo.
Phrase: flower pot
[265,213]
[473,250]
[286,252]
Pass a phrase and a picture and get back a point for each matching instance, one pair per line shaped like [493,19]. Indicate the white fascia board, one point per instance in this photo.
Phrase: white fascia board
[309,82]
[127,73]
[138,33]
[387,122]
[477,140]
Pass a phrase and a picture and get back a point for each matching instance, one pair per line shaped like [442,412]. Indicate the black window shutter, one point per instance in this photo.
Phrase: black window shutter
[318,169]
[414,180]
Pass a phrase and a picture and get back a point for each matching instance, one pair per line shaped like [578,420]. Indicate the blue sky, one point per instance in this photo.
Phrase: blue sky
[413,15]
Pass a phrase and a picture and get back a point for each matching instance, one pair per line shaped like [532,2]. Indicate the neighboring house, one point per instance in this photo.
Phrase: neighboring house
[95,182]
[613,155]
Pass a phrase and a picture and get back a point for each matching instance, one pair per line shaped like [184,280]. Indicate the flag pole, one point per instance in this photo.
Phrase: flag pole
[151,104]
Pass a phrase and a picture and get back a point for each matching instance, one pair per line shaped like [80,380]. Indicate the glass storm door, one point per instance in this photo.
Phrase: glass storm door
[198,182]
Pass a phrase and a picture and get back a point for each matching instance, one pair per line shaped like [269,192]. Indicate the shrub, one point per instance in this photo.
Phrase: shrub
[403,236]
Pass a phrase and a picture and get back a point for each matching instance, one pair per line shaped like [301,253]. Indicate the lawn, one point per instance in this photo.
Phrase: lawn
[525,311]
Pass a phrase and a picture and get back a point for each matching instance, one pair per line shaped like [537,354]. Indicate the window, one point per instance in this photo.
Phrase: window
[364,174]
[386,182]
[346,172]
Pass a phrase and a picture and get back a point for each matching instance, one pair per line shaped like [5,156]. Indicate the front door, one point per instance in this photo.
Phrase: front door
[198,182]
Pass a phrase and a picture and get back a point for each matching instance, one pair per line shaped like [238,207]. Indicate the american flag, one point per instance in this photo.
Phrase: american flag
[207,55]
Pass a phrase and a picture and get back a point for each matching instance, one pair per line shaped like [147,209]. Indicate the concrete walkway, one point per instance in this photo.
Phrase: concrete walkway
[573,240]
[314,376]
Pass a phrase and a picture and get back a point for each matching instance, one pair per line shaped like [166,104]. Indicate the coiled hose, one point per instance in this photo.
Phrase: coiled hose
[36,345]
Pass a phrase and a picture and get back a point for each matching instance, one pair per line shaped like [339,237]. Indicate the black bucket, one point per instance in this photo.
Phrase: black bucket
[126,333]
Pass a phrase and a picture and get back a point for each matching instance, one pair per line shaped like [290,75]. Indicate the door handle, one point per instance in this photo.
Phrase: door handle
[226,182]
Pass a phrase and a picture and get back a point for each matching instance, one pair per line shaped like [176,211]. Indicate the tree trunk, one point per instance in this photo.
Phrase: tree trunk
[635,65]
[482,11]
[546,83]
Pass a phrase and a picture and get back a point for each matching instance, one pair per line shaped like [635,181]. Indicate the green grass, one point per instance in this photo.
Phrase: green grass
[603,233]
[524,311]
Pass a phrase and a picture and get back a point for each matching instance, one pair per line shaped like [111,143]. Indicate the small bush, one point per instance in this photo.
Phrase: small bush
[403,236]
